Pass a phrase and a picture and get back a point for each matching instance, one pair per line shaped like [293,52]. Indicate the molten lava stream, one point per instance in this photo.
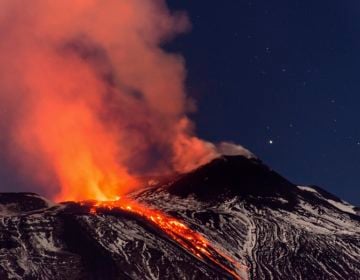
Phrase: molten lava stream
[190,240]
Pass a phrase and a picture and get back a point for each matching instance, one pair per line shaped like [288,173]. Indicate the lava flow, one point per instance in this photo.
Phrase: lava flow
[187,238]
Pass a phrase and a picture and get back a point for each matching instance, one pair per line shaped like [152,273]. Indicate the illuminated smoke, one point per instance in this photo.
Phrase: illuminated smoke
[88,98]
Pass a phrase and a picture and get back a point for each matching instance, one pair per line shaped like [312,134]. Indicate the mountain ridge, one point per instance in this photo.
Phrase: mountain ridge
[271,227]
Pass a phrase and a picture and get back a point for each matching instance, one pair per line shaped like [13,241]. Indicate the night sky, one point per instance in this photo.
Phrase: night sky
[282,79]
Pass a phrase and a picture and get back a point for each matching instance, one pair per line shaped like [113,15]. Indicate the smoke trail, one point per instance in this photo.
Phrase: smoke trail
[88,98]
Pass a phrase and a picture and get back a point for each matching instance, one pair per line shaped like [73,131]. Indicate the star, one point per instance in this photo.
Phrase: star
[271,142]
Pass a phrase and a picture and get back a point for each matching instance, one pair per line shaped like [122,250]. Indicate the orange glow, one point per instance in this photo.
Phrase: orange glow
[91,100]
[89,95]
[189,239]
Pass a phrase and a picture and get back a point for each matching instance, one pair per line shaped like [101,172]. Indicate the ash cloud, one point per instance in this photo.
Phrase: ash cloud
[88,98]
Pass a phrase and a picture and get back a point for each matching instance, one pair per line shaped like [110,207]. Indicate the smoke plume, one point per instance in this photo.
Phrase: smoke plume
[88,98]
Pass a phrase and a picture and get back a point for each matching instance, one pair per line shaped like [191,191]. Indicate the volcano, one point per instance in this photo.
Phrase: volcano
[233,218]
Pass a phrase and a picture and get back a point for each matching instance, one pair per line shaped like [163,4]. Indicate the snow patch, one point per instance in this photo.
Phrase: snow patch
[345,207]
[308,189]
[282,200]
[45,243]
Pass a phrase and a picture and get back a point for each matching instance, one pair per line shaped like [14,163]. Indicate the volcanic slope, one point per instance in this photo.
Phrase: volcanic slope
[269,228]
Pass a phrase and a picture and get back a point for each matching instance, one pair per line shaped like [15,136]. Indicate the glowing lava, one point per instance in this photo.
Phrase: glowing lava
[187,238]
[88,97]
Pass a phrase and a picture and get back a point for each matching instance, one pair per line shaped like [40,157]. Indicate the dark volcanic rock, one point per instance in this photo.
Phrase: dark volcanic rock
[275,229]
[22,202]
[231,175]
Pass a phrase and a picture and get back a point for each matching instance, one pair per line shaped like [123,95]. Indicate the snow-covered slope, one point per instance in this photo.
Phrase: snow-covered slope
[274,229]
